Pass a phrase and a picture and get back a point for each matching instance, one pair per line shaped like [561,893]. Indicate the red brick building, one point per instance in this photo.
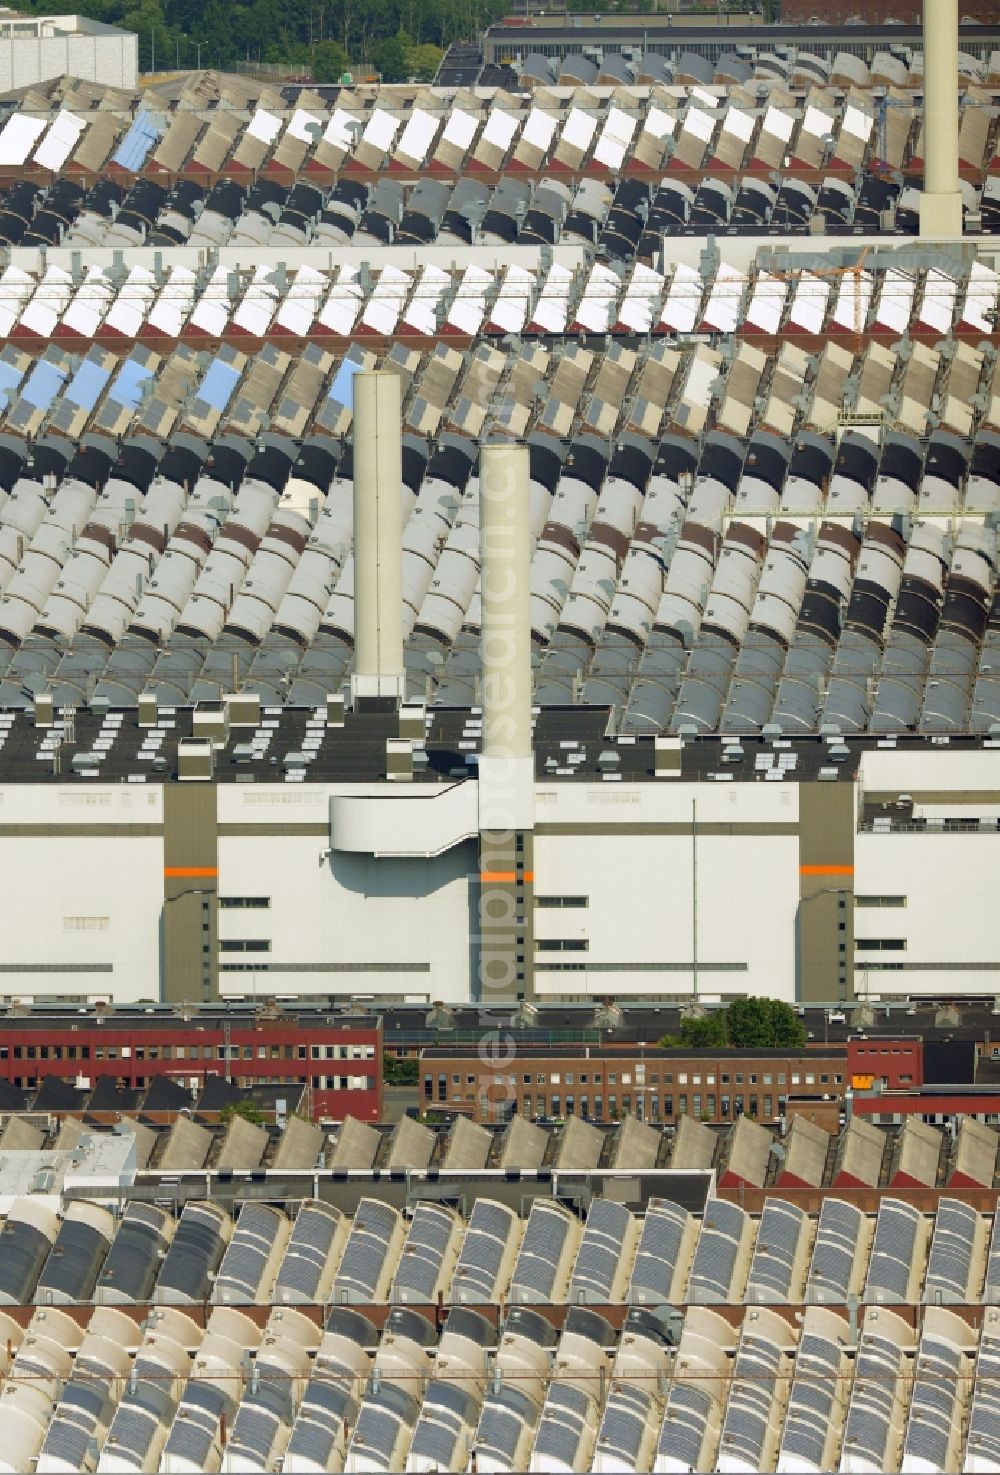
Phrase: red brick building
[338,1060]
[604,1083]
[876,12]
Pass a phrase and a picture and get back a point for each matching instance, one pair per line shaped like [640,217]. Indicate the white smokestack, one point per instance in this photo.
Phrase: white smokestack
[941,200]
[506,767]
[378,583]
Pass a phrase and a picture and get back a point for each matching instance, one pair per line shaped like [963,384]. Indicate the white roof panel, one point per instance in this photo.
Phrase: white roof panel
[500,129]
[680,311]
[551,307]
[896,301]
[858,123]
[539,129]
[422,309]
[302,301]
[579,129]
[938,305]
[722,311]
[779,123]
[341,129]
[264,125]
[381,130]
[767,303]
[659,123]
[641,299]
[460,129]
[468,308]
[853,300]
[343,303]
[18,137]
[304,126]
[417,135]
[702,125]
[739,123]
[809,303]
[618,132]
[981,297]
[386,303]
[597,309]
[818,124]
[57,145]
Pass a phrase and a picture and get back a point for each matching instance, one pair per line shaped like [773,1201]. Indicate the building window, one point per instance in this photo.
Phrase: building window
[562,944]
[253,903]
[880,901]
[547,902]
[880,944]
[429,1088]
[245,945]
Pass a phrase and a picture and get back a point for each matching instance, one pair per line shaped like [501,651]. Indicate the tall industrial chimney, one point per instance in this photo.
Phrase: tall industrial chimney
[378,581]
[941,199]
[506,764]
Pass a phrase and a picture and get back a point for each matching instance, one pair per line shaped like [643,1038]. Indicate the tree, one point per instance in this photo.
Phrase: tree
[787,1028]
[764,1024]
[423,61]
[390,59]
[400,1072]
[329,61]
[705,1032]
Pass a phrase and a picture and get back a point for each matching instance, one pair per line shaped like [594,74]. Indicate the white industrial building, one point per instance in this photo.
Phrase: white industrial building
[256,881]
[38,48]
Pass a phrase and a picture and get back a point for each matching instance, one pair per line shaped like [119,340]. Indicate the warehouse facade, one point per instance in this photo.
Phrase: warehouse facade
[712,875]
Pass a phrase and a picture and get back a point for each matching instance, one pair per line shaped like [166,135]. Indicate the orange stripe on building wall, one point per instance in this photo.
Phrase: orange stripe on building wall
[826,870]
[190,871]
[528,876]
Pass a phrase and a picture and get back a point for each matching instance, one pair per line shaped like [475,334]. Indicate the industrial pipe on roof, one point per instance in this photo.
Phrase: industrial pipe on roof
[378,582]
[941,198]
[506,767]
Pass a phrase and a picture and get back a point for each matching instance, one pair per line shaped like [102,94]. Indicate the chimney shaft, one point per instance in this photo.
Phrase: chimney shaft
[506,575]
[378,585]
[941,199]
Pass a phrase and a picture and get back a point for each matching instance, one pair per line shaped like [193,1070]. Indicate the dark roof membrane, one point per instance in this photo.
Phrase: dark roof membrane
[965,608]
[271,465]
[946,459]
[48,460]
[986,457]
[498,223]
[722,461]
[857,459]
[868,607]
[821,611]
[587,464]
[901,461]
[675,457]
[451,464]
[917,609]
[180,464]
[317,464]
[90,465]
[350,192]
[136,465]
[11,466]
[632,463]
[24,1251]
[414,463]
[539,225]
[767,460]
[226,464]
[546,465]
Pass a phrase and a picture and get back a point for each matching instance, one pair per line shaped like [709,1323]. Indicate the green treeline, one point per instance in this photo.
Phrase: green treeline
[397,38]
